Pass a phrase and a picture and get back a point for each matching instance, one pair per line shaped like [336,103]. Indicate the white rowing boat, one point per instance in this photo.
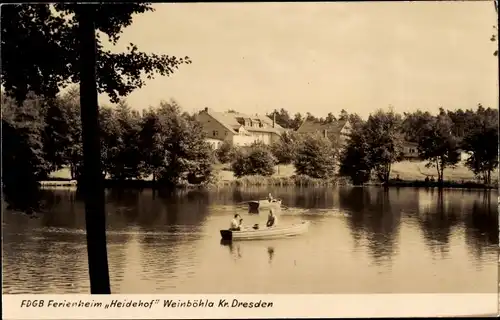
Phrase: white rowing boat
[263,204]
[265,233]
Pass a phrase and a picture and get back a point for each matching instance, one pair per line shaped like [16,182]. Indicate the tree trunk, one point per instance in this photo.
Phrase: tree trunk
[93,190]
[438,168]
[388,173]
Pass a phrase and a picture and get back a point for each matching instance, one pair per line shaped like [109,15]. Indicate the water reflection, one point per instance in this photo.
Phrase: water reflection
[235,250]
[374,220]
[167,242]
[270,252]
[480,233]
[437,222]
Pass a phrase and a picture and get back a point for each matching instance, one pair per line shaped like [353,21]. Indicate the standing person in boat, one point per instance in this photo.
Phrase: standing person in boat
[235,223]
[272,220]
[270,197]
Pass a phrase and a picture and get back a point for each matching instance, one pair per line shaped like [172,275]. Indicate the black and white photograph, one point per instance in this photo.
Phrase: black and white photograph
[250,148]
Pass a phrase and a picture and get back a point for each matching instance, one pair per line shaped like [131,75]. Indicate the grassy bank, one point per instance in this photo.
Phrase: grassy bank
[298,181]
[445,184]
[405,170]
[416,171]
[404,174]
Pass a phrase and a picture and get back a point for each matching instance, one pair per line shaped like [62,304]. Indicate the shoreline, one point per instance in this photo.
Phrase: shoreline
[259,181]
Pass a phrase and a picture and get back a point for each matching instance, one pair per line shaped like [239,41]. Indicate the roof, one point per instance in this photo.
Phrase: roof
[230,122]
[309,126]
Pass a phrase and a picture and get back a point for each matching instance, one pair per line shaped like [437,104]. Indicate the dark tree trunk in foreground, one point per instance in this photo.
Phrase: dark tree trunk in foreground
[93,189]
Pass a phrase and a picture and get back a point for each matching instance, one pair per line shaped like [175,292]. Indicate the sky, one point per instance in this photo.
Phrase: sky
[320,57]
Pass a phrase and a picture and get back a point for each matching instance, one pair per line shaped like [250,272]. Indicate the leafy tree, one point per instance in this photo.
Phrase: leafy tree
[315,157]
[126,160]
[151,141]
[438,145]
[285,149]
[282,118]
[344,115]
[39,53]
[355,121]
[52,29]
[354,158]
[186,156]
[56,138]
[311,117]
[297,121]
[73,153]
[413,123]
[186,115]
[481,141]
[110,139]
[330,118]
[225,153]
[385,142]
[199,155]
[22,143]
[258,160]
[461,121]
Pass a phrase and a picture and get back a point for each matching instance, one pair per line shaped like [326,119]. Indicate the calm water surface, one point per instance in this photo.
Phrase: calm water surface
[360,241]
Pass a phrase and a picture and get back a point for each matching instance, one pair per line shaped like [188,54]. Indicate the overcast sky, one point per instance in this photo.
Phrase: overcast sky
[321,57]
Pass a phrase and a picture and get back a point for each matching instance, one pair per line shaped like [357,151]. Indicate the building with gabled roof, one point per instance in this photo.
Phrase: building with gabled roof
[237,128]
[336,131]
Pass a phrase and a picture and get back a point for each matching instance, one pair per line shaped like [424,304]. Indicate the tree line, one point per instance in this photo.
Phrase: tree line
[284,119]
[168,145]
[374,145]
[44,135]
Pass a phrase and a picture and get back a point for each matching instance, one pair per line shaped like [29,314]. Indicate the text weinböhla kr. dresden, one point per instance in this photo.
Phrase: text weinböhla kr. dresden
[221,303]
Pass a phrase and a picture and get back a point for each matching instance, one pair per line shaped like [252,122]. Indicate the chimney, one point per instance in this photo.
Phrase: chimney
[206,109]
[274,118]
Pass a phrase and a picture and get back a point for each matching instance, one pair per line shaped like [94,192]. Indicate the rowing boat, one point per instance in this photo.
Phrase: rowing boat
[265,233]
[263,204]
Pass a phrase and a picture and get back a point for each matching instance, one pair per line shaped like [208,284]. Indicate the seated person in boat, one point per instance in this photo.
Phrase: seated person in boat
[235,223]
[272,220]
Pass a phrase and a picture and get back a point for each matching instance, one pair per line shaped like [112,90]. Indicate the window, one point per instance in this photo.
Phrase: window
[225,133]
[215,133]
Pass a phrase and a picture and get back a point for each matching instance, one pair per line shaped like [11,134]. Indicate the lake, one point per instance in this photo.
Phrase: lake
[361,240]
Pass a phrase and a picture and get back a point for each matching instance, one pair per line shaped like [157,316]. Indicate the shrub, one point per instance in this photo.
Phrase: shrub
[258,160]
[285,149]
[225,153]
[315,157]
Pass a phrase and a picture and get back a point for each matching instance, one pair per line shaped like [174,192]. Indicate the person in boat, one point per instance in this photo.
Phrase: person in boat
[272,220]
[235,223]
[270,197]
